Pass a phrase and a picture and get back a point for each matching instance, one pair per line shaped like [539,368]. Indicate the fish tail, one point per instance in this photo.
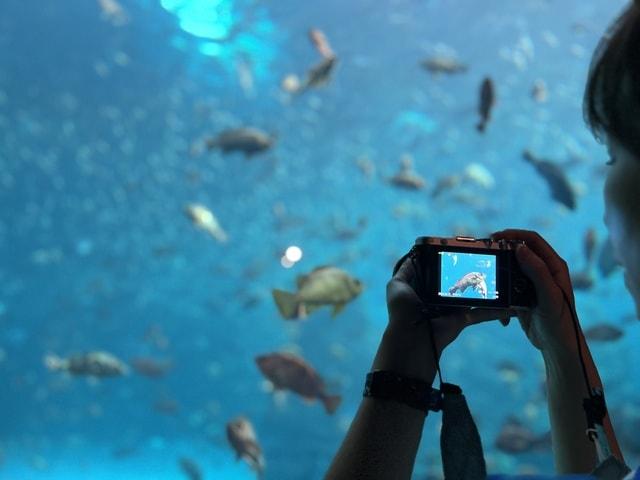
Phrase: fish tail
[331,403]
[287,304]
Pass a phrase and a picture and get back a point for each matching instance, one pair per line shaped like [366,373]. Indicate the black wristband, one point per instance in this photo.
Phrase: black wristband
[413,392]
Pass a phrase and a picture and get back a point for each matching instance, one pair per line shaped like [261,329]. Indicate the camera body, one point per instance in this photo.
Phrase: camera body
[470,272]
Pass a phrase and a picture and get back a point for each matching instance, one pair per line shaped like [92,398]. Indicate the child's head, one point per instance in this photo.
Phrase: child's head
[612,110]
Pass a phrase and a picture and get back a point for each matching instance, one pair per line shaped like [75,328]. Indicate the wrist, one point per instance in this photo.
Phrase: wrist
[407,354]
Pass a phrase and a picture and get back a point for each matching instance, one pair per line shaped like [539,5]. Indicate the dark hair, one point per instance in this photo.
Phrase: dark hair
[612,95]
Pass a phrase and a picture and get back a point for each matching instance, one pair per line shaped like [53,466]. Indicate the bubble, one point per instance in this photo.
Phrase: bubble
[293,254]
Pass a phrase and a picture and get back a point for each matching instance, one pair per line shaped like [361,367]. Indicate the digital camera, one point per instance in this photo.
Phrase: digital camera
[470,272]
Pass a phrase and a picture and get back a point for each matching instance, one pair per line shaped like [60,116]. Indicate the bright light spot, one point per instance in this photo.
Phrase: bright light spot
[293,254]
[286,263]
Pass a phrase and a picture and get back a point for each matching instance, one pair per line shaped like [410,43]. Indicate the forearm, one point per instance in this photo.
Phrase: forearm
[384,436]
[566,389]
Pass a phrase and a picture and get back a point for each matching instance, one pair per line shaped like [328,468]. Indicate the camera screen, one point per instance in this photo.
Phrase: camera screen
[468,275]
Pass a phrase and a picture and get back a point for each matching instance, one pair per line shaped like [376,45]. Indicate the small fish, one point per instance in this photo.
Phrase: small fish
[561,189]
[289,372]
[509,372]
[583,280]
[539,92]
[607,261]
[407,177]
[151,367]
[94,364]
[113,12]
[443,64]
[166,405]
[475,280]
[247,140]
[190,469]
[515,437]
[320,42]
[487,102]
[204,218]
[448,182]
[320,74]
[243,440]
[590,244]
[341,231]
[603,333]
[323,286]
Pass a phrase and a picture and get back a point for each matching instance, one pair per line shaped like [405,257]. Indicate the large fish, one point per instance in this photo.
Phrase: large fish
[243,439]
[289,372]
[487,101]
[323,286]
[247,140]
[561,189]
[94,364]
[475,280]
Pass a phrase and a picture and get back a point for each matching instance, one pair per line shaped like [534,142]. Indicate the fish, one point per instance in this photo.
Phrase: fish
[113,12]
[93,364]
[320,74]
[407,177]
[242,438]
[448,182]
[443,64]
[603,333]
[509,372]
[583,280]
[320,42]
[190,469]
[289,372]
[323,286]
[559,185]
[247,140]
[539,91]
[607,261]
[590,244]
[204,219]
[166,405]
[342,231]
[487,102]
[151,367]
[475,280]
[515,437]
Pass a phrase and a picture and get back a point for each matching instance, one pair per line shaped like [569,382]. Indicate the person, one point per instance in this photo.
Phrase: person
[383,439]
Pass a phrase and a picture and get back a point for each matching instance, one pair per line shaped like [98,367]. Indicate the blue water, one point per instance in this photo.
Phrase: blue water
[97,120]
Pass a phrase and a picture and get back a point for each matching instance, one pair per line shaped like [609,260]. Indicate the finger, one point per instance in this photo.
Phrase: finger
[538,245]
[474,316]
[402,301]
[406,272]
[538,272]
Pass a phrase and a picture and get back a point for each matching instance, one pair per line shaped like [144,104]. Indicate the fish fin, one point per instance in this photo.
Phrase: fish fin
[287,304]
[337,308]
[308,309]
[331,403]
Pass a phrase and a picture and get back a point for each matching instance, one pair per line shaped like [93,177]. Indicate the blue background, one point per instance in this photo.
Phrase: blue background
[96,124]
